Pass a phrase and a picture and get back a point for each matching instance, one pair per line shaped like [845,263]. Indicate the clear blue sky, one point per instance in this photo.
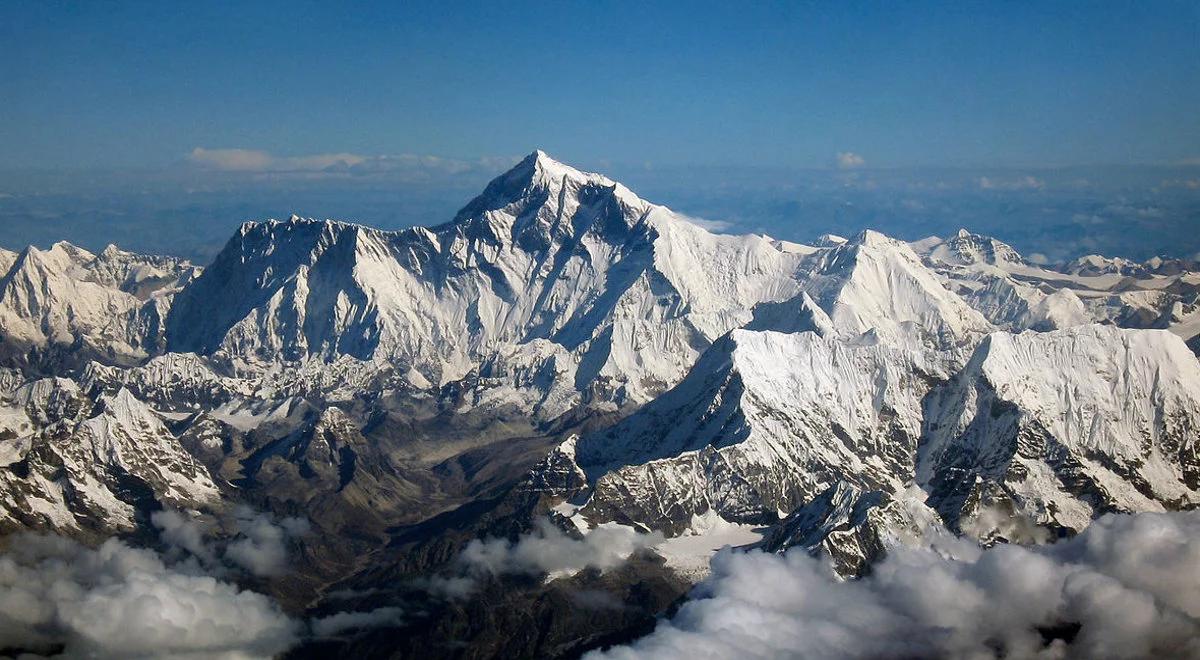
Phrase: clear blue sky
[103,84]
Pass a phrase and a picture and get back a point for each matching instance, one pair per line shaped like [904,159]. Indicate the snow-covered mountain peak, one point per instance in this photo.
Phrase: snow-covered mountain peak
[873,283]
[966,248]
[528,204]
[829,240]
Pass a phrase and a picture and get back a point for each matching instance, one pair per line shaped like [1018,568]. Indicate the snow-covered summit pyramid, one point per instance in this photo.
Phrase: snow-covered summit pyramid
[876,284]
[630,289]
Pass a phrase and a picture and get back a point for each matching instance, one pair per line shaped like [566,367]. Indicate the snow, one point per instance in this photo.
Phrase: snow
[689,553]
[763,373]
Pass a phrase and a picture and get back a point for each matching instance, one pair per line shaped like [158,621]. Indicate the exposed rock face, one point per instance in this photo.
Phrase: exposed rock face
[96,465]
[851,527]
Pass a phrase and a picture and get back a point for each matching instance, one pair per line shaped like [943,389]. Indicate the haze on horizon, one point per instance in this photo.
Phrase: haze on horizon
[162,127]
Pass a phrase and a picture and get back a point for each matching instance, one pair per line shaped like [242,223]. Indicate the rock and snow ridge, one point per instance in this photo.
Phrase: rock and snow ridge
[629,290]
[811,388]
[61,307]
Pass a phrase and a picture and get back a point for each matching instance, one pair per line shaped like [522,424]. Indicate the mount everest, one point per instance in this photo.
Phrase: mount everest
[564,348]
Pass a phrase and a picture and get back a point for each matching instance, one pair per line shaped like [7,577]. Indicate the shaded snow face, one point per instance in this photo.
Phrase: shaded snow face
[1128,587]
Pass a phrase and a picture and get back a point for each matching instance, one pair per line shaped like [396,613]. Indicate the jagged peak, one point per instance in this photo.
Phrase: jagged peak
[546,168]
[60,258]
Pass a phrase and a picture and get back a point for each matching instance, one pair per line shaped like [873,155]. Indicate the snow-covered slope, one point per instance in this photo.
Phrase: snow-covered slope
[1044,431]
[7,259]
[64,306]
[1016,295]
[629,289]
[76,462]
[1066,425]
[834,392]
[763,423]
[872,284]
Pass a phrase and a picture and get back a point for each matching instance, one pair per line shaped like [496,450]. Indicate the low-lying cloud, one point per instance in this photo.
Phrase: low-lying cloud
[116,601]
[546,550]
[58,596]
[848,160]
[1020,183]
[1128,587]
[259,546]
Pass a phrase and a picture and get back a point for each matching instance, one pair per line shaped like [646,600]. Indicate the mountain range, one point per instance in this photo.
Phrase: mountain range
[563,352]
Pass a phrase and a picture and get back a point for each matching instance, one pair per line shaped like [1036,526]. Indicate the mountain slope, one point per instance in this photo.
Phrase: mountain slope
[60,308]
[1063,426]
[631,290]
[763,423]
[77,463]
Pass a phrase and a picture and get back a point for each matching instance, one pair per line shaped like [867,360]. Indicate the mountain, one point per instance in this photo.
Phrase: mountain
[1016,294]
[630,290]
[764,423]
[1063,426]
[565,359]
[63,307]
[875,285]
[73,462]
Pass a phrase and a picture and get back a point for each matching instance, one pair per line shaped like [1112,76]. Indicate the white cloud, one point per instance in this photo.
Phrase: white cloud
[1186,184]
[546,550]
[1038,258]
[254,161]
[1019,183]
[259,545]
[1128,587]
[233,160]
[116,601]
[848,160]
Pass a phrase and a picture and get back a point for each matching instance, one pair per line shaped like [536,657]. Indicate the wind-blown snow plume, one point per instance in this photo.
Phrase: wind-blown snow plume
[1127,587]
[59,596]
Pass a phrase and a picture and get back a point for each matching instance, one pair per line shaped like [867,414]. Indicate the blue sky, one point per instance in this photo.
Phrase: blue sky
[1064,128]
[134,84]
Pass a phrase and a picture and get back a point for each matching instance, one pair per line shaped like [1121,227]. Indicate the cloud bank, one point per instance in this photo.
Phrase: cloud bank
[1019,183]
[116,601]
[1128,587]
[340,164]
[259,545]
